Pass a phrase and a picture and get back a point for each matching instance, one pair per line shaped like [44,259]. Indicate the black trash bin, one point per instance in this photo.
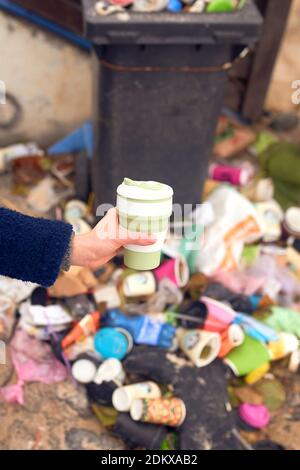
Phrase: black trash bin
[159,82]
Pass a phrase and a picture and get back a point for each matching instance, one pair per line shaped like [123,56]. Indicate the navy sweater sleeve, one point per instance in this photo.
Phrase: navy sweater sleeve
[32,249]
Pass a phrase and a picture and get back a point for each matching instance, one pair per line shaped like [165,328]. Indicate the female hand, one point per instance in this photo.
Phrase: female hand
[97,247]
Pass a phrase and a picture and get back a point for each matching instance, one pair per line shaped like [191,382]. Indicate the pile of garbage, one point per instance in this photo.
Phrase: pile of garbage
[106,7]
[180,357]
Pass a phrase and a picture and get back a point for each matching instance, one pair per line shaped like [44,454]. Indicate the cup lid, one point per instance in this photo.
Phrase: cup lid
[137,409]
[256,416]
[120,399]
[84,371]
[144,190]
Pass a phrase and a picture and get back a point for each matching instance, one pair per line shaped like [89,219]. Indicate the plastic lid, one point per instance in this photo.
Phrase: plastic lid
[109,342]
[136,409]
[84,371]
[121,400]
[257,416]
[145,190]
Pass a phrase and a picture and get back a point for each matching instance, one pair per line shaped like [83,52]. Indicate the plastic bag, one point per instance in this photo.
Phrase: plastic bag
[33,362]
[236,223]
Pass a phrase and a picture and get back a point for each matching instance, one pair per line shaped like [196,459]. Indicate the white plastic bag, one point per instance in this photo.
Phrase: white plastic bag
[236,223]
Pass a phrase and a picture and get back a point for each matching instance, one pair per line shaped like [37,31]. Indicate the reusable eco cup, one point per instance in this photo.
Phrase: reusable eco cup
[123,397]
[144,206]
[168,411]
[202,347]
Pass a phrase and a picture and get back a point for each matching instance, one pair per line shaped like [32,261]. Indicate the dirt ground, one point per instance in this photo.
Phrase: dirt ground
[58,416]
[54,416]
[284,427]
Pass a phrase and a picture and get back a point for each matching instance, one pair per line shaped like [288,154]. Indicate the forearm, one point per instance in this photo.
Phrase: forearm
[32,249]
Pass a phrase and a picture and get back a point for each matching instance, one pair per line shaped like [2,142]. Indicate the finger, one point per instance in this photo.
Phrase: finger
[140,238]
[111,218]
[107,228]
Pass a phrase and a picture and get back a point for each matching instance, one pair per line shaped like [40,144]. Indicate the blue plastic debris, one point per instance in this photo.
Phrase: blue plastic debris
[76,141]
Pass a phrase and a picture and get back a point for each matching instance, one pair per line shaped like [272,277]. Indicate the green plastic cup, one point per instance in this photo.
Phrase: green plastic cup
[144,206]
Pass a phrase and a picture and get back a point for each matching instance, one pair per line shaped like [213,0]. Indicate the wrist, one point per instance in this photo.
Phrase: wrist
[81,254]
[66,262]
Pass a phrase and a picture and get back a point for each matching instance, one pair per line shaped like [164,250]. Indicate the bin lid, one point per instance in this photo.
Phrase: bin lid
[239,27]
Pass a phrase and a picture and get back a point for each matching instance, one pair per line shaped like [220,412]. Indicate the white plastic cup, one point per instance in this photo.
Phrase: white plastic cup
[139,284]
[201,346]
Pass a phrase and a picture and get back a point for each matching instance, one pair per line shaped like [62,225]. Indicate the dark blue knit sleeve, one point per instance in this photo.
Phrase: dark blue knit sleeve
[32,249]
